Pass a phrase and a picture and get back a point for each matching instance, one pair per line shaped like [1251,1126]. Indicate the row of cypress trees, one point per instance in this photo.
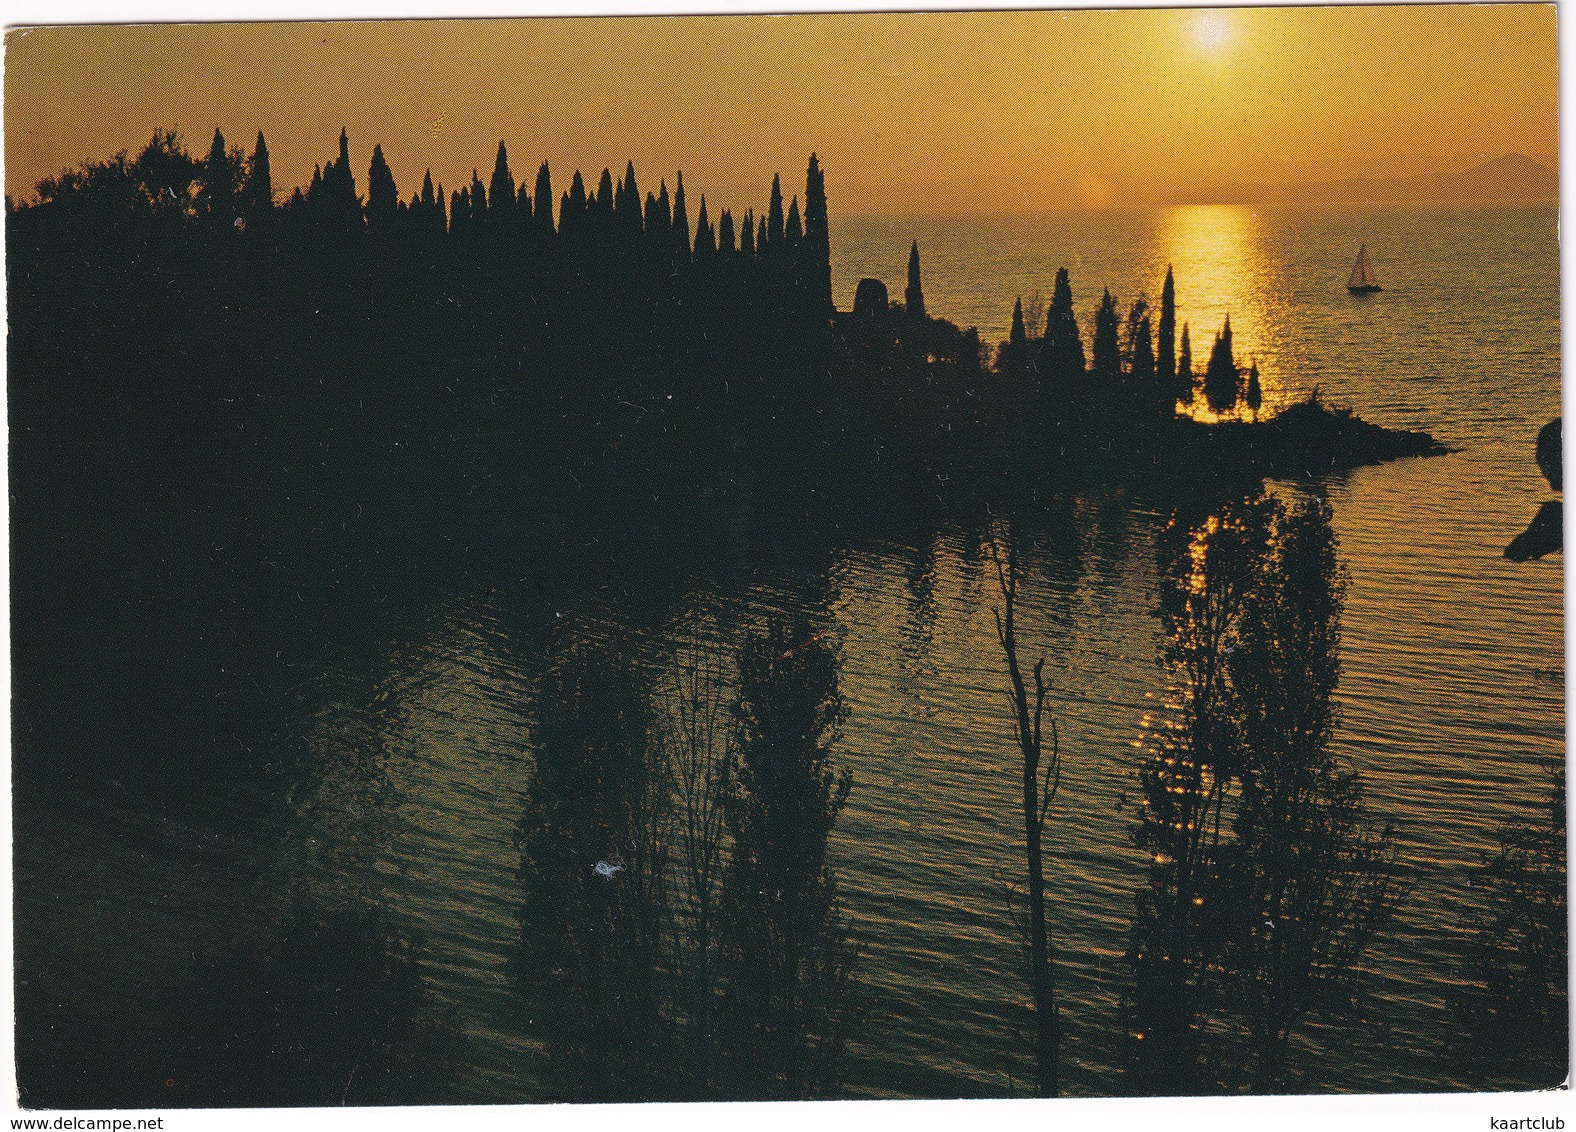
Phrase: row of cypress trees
[1146,361]
[785,249]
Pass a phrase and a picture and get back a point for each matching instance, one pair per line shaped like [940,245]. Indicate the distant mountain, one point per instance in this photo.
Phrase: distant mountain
[1512,177]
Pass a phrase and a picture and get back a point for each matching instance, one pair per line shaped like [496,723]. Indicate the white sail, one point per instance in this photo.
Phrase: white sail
[1362,274]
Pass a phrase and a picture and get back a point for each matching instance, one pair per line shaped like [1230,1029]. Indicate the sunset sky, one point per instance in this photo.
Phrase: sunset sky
[1005,110]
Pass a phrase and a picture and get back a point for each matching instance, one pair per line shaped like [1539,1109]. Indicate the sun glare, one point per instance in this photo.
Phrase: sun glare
[1211,29]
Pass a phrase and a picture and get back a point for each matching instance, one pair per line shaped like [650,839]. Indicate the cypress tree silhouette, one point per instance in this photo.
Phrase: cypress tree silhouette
[1107,360]
[427,201]
[258,205]
[761,241]
[1165,347]
[500,190]
[1220,375]
[747,234]
[542,220]
[216,195]
[629,208]
[792,232]
[1184,375]
[602,217]
[1017,339]
[774,217]
[478,201]
[382,195]
[681,230]
[1140,348]
[440,218]
[460,212]
[817,240]
[572,215]
[664,209]
[914,295]
[1253,395]
[1061,352]
[705,242]
[725,234]
[341,206]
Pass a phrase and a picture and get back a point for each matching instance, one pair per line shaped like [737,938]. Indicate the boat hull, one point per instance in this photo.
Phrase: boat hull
[1365,289]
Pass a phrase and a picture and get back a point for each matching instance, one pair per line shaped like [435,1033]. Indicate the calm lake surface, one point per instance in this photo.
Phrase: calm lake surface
[1451,694]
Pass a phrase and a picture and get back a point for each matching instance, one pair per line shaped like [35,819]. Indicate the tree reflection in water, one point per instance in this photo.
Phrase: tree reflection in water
[1267,878]
[589,943]
[1513,1001]
[714,963]
[791,997]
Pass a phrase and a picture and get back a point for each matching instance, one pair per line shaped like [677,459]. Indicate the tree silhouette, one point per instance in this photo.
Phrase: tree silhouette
[1106,364]
[478,201]
[589,946]
[914,295]
[1165,345]
[705,239]
[1140,347]
[341,207]
[500,191]
[257,205]
[1012,353]
[1268,880]
[220,176]
[382,195]
[817,241]
[1038,790]
[747,234]
[774,218]
[681,228]
[1184,378]
[791,995]
[542,218]
[1513,998]
[627,205]
[1061,351]
[1220,374]
[573,208]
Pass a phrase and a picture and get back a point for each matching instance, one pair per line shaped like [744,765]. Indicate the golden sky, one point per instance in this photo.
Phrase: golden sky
[989,110]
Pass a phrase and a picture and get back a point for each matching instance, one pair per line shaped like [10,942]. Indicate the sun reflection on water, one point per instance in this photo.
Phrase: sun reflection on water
[1218,256]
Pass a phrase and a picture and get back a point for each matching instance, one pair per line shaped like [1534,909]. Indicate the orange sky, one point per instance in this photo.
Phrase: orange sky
[1005,110]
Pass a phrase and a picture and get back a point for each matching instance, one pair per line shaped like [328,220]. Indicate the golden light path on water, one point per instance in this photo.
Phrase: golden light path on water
[1217,248]
[1222,258]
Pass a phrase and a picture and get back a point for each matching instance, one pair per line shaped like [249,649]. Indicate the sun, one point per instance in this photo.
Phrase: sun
[1211,30]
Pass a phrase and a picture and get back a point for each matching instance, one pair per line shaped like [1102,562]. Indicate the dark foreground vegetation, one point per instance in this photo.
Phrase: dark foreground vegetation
[257,437]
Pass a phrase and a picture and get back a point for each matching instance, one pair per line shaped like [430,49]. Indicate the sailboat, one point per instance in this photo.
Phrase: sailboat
[1362,281]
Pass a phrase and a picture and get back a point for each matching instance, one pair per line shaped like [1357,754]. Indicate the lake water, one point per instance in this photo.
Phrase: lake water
[1448,705]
